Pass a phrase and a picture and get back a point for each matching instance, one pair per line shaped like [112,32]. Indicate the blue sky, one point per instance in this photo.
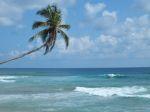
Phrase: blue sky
[104,33]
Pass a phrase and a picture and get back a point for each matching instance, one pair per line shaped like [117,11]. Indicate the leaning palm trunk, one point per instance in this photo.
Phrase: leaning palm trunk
[23,55]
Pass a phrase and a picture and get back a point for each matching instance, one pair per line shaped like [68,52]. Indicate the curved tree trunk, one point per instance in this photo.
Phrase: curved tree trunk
[22,55]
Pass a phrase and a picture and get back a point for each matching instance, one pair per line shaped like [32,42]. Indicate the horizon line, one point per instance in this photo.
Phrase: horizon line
[73,67]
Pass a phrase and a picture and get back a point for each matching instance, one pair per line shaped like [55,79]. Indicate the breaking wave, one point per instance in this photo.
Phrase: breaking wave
[114,75]
[10,79]
[134,91]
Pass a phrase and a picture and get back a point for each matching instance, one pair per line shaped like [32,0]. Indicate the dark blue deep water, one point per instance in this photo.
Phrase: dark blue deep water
[75,90]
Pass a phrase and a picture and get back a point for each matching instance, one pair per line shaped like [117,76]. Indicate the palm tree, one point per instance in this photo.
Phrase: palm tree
[52,27]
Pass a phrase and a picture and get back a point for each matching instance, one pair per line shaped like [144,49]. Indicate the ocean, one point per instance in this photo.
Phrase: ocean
[75,90]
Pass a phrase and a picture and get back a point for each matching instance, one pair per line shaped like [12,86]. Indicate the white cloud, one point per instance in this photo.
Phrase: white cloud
[11,11]
[102,45]
[8,15]
[107,22]
[110,14]
[143,5]
[144,20]
[134,34]
[4,21]
[102,17]
[107,40]
[16,52]
[93,9]
[107,19]
[129,38]
[77,45]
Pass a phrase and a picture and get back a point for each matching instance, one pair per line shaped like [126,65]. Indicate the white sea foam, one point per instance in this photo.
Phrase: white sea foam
[7,77]
[10,79]
[23,96]
[140,96]
[113,75]
[10,97]
[134,91]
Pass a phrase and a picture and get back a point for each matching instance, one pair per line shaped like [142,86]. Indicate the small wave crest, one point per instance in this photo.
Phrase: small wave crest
[10,79]
[134,91]
[114,75]
[24,96]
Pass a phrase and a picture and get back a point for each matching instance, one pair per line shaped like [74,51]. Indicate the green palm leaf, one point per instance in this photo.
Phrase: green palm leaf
[67,27]
[46,12]
[42,34]
[50,44]
[38,24]
[65,37]
[53,44]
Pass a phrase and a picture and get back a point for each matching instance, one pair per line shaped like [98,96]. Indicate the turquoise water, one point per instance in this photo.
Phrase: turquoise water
[75,90]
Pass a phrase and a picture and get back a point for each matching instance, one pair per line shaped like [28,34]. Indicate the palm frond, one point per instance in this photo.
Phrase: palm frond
[49,43]
[54,26]
[43,13]
[46,49]
[46,12]
[38,24]
[64,26]
[53,44]
[65,37]
[42,34]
